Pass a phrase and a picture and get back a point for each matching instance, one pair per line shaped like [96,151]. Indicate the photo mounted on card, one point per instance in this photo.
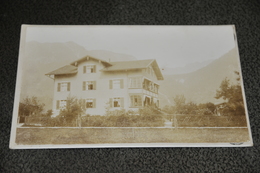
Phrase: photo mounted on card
[129,86]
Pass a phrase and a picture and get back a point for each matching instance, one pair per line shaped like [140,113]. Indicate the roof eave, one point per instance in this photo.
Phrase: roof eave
[85,57]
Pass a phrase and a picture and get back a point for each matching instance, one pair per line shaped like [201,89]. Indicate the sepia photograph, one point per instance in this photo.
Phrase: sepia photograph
[129,86]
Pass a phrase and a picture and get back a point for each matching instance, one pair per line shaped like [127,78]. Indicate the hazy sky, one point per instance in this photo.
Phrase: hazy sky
[171,46]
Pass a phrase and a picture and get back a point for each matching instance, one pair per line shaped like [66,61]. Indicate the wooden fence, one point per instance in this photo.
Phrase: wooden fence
[209,121]
[177,120]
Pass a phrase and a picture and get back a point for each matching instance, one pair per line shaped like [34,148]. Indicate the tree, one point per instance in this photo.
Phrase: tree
[30,106]
[206,109]
[179,101]
[71,115]
[190,108]
[47,114]
[232,94]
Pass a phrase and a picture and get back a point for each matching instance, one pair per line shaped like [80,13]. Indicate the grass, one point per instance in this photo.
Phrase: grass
[41,136]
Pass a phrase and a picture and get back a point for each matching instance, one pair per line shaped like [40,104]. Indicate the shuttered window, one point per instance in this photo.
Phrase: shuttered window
[89,85]
[136,100]
[116,102]
[90,103]
[61,104]
[89,69]
[63,86]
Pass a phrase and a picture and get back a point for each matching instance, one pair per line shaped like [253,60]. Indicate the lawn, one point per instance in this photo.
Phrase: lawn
[41,136]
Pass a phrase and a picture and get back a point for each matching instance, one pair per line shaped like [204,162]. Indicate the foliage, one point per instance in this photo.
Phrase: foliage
[146,117]
[47,114]
[30,106]
[69,116]
[181,107]
[206,109]
[179,101]
[232,94]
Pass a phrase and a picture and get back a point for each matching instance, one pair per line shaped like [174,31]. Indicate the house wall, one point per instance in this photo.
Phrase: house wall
[103,93]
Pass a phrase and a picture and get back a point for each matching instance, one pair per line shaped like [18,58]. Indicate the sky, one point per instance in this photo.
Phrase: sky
[171,46]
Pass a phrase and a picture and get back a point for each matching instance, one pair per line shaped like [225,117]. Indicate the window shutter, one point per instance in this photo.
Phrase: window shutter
[121,83]
[94,68]
[110,84]
[58,89]
[111,102]
[85,103]
[122,102]
[84,86]
[94,103]
[84,69]
[94,85]
[57,104]
[132,101]
[139,100]
[68,86]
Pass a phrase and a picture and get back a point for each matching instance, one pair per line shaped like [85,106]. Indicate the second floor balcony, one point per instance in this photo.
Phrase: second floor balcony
[143,83]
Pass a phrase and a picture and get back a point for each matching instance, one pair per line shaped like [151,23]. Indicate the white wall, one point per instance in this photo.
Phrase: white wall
[102,92]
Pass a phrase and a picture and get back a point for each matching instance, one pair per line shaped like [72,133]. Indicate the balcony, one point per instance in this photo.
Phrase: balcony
[143,83]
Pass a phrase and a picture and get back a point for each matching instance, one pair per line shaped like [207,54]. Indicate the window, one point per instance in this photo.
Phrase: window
[116,102]
[91,103]
[89,69]
[151,86]
[156,89]
[136,100]
[64,86]
[89,85]
[135,82]
[61,104]
[116,84]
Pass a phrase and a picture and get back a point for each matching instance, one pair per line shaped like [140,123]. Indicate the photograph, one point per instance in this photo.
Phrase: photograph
[103,86]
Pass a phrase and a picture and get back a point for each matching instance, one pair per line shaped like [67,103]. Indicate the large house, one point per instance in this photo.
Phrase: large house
[107,85]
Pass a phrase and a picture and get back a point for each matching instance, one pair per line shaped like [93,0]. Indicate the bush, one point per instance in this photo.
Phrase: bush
[120,118]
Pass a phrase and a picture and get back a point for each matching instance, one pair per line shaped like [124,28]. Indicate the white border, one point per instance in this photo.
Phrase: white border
[13,145]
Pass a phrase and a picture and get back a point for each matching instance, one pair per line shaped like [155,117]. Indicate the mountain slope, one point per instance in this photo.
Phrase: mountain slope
[200,86]
[191,67]
[41,58]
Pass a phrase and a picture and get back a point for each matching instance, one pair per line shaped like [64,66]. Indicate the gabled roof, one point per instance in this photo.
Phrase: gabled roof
[111,66]
[90,57]
[68,69]
[132,65]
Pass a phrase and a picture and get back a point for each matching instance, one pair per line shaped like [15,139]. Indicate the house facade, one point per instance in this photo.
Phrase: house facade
[107,85]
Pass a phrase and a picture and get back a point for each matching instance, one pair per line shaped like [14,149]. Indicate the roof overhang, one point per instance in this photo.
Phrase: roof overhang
[68,69]
[86,58]
[157,70]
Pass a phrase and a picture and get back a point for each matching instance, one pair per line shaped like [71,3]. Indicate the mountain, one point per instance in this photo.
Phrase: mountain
[191,67]
[41,58]
[110,56]
[200,86]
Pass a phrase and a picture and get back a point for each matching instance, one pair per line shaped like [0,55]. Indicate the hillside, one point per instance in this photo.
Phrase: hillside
[188,68]
[200,86]
[41,58]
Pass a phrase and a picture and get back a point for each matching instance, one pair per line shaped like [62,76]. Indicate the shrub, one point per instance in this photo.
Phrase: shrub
[121,118]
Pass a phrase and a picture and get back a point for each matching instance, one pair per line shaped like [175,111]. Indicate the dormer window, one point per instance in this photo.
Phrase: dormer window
[89,69]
